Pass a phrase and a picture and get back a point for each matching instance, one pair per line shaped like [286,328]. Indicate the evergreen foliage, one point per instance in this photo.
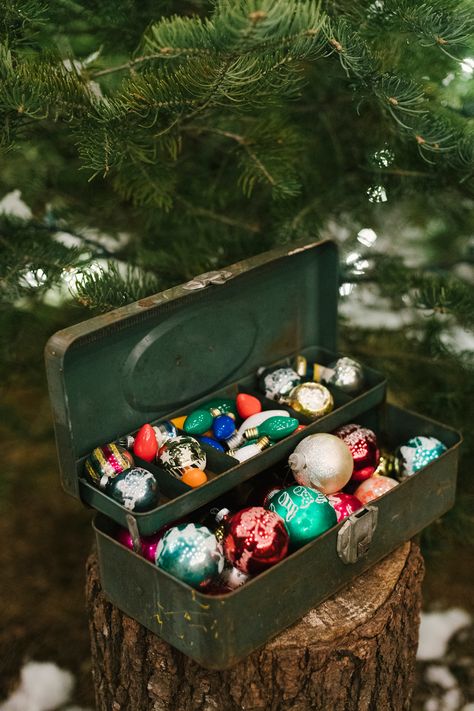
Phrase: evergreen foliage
[215,133]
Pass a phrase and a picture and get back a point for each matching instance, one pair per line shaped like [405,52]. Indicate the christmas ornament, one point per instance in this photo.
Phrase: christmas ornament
[344,504]
[136,489]
[221,406]
[251,450]
[145,445]
[107,462]
[191,553]
[194,477]
[180,453]
[307,513]
[277,383]
[255,538]
[311,399]
[275,428]
[389,465]
[247,405]
[223,427]
[232,577]
[417,453]
[178,422]
[345,373]
[148,543]
[164,431]
[198,422]
[211,442]
[253,421]
[322,461]
[301,367]
[374,487]
[364,449]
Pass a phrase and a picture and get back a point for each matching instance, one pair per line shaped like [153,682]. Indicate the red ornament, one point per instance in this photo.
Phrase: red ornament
[145,445]
[364,449]
[255,539]
[374,487]
[247,405]
[344,504]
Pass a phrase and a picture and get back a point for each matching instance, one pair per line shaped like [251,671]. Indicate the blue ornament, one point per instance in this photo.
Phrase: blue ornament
[223,427]
[417,453]
[211,443]
[191,553]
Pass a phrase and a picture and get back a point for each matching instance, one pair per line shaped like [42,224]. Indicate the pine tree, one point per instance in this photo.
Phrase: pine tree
[198,138]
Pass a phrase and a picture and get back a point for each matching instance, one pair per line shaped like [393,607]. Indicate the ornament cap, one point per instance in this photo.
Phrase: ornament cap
[296,461]
[221,515]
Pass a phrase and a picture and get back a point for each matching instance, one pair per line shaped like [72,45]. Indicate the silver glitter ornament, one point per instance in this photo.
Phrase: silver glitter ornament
[322,461]
[277,383]
[345,374]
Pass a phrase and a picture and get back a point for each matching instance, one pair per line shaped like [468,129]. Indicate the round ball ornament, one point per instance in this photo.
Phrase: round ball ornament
[194,477]
[373,488]
[191,553]
[311,399]
[322,461]
[107,462]
[277,383]
[364,449]
[255,539]
[148,543]
[417,453]
[307,513]
[181,453]
[345,373]
[344,504]
[136,489]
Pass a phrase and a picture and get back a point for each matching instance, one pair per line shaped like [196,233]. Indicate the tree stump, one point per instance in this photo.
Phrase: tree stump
[355,652]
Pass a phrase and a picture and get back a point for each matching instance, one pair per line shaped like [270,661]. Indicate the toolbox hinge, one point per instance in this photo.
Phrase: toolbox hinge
[355,536]
[203,280]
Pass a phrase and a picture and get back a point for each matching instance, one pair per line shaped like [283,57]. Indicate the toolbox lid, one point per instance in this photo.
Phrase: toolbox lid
[112,373]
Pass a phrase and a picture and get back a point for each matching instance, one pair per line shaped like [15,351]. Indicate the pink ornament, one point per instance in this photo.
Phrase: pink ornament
[344,504]
[148,543]
[374,487]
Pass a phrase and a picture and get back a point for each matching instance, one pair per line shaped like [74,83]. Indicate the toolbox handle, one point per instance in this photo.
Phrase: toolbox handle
[203,280]
[355,535]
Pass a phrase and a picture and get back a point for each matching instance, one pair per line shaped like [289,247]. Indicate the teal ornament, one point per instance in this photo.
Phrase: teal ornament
[180,453]
[417,453]
[136,489]
[191,553]
[307,513]
[198,422]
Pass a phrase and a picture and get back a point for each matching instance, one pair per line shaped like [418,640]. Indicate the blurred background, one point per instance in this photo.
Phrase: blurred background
[134,158]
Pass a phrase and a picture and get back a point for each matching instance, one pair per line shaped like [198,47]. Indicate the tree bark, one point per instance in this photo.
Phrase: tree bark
[355,652]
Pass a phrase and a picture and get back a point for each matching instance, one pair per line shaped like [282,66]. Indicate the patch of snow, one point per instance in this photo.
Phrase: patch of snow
[43,687]
[440,675]
[12,204]
[436,629]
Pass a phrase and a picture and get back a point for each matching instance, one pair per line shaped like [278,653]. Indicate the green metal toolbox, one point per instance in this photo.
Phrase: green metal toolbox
[161,357]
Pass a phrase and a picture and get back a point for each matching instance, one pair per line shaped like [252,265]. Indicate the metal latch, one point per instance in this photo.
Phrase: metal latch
[203,280]
[355,536]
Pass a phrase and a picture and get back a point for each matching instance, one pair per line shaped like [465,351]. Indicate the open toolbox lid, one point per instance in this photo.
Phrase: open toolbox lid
[112,373]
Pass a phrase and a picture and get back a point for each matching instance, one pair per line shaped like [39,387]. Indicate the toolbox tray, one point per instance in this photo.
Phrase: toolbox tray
[163,355]
[218,630]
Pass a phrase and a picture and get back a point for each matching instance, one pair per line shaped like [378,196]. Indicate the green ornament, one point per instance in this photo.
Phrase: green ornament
[306,512]
[191,553]
[224,404]
[198,422]
[136,489]
[275,428]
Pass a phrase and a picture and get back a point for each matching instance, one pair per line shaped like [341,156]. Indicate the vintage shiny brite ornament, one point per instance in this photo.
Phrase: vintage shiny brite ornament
[322,461]
[148,544]
[247,405]
[345,373]
[180,453]
[311,399]
[417,453]
[277,383]
[374,487]
[191,553]
[136,489]
[307,513]
[164,431]
[255,539]
[344,504]
[107,462]
[364,449]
